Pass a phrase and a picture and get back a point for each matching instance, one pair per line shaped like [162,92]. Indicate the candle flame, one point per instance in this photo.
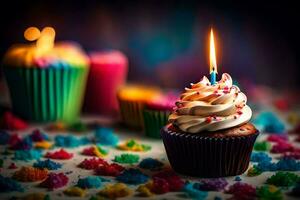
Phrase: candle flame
[212,53]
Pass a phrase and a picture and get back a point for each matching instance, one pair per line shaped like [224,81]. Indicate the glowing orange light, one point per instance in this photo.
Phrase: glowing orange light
[212,54]
[46,40]
[32,33]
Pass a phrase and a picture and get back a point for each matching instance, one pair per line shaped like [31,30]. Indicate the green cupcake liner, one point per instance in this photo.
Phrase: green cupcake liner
[132,113]
[49,94]
[154,120]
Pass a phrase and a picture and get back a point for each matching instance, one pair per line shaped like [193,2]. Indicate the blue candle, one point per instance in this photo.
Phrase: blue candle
[213,76]
[212,59]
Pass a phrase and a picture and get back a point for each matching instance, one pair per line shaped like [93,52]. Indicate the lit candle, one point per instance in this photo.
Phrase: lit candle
[212,59]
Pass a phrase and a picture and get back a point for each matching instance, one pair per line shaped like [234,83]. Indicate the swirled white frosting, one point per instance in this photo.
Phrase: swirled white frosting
[211,107]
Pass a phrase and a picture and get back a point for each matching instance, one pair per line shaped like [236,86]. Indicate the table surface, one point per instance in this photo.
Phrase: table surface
[157,151]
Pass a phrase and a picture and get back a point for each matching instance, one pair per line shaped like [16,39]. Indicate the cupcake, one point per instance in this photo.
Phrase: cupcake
[209,134]
[108,72]
[132,100]
[46,80]
[156,113]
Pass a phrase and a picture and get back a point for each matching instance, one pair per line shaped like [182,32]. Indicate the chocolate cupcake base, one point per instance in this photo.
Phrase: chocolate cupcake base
[217,154]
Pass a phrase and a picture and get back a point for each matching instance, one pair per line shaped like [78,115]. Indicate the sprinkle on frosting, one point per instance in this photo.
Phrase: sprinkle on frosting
[211,107]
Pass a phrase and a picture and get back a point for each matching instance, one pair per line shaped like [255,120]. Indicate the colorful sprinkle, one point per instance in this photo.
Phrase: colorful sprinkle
[127,158]
[262,146]
[92,163]
[277,138]
[48,164]
[38,136]
[12,166]
[216,184]
[283,147]
[132,145]
[175,182]
[288,164]
[109,169]
[194,193]
[132,176]
[106,136]
[269,122]
[241,190]
[43,145]
[253,171]
[75,192]
[269,192]
[27,155]
[23,144]
[260,157]
[89,182]
[151,164]
[237,178]
[145,190]
[30,174]
[54,181]
[8,185]
[59,154]
[283,179]
[95,151]
[114,191]
[70,141]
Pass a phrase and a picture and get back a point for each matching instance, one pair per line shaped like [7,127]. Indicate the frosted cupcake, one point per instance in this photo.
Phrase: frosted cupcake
[209,134]
[156,113]
[46,80]
[132,100]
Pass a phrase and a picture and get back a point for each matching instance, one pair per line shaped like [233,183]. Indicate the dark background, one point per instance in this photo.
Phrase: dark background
[166,41]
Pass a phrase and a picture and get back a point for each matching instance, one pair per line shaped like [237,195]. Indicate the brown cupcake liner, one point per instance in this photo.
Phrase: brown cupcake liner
[207,157]
[132,113]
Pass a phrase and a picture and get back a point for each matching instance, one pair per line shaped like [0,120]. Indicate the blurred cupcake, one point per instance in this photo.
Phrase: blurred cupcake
[132,100]
[46,81]
[108,72]
[209,134]
[156,113]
